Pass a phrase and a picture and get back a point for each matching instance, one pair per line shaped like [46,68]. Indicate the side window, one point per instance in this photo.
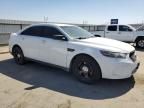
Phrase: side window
[33,31]
[50,32]
[112,28]
[124,28]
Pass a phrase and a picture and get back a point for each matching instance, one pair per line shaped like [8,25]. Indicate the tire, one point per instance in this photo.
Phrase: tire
[140,43]
[97,36]
[18,55]
[86,69]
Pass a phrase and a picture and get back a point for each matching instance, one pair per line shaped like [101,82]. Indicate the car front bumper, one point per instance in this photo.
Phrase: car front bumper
[119,69]
[135,70]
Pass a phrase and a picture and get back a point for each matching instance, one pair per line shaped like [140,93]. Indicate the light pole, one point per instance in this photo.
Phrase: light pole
[45,19]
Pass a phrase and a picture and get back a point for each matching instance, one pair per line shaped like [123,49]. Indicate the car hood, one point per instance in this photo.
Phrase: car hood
[108,44]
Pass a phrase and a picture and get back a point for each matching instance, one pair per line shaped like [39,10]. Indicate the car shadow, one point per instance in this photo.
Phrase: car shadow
[55,79]
[139,49]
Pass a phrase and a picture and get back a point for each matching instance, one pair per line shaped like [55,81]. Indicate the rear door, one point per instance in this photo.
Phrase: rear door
[112,32]
[30,42]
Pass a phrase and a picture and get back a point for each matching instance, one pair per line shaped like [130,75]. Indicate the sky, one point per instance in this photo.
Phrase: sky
[74,11]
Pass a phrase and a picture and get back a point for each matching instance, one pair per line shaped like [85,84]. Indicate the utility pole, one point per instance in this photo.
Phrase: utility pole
[85,22]
[142,21]
[45,19]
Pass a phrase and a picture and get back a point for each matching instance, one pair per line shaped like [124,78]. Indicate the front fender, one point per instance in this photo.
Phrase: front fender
[94,53]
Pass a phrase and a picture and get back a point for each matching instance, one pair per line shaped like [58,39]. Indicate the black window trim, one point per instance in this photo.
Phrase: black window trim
[66,39]
[125,26]
[111,26]
[30,28]
[57,30]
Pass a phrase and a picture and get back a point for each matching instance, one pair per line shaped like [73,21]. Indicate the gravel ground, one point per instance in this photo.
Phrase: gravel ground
[39,86]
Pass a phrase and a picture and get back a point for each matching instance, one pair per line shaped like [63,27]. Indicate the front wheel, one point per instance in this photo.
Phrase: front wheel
[140,43]
[86,69]
[18,55]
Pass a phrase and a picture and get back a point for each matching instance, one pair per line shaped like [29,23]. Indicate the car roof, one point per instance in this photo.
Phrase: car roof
[118,24]
[52,24]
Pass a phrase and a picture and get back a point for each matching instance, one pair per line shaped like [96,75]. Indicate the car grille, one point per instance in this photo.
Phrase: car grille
[133,56]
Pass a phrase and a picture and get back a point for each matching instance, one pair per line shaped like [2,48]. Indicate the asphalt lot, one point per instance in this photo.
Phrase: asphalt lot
[36,85]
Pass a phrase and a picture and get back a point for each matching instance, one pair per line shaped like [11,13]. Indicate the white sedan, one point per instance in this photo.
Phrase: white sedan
[89,58]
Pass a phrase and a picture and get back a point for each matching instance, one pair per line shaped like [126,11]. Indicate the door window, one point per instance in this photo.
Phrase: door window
[124,28]
[33,31]
[43,31]
[50,32]
[112,28]
[53,33]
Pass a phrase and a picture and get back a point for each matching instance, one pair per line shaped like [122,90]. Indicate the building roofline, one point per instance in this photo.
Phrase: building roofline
[9,21]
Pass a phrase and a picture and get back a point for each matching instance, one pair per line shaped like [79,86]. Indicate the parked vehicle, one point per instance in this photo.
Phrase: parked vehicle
[124,33]
[88,57]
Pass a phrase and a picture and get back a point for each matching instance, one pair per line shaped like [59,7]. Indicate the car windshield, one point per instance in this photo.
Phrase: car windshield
[77,32]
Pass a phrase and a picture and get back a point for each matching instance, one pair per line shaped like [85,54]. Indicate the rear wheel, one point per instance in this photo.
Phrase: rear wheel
[140,43]
[97,36]
[86,69]
[18,55]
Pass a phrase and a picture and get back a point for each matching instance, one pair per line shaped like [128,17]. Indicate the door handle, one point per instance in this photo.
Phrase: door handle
[107,32]
[70,49]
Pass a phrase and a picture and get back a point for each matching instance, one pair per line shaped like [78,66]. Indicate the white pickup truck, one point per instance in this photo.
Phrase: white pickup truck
[124,33]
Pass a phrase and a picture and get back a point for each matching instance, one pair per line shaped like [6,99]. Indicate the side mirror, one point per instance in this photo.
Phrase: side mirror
[60,37]
[13,34]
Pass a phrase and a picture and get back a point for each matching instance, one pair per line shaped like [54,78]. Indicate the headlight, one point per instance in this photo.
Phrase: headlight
[113,54]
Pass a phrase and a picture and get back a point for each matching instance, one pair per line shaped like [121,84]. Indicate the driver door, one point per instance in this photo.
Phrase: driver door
[125,33]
